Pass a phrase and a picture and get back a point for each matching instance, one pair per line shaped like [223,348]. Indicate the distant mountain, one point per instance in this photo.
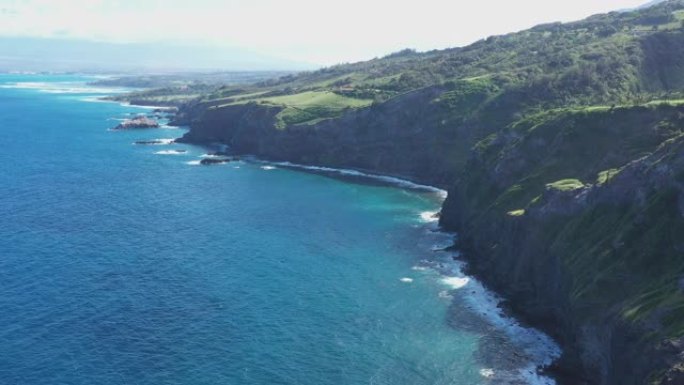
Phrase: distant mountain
[643,6]
[651,3]
[42,54]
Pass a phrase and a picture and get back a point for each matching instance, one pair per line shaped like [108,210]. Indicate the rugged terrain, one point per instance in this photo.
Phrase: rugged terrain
[562,150]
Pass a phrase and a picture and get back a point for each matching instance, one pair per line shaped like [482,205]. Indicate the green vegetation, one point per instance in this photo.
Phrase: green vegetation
[606,175]
[312,106]
[307,107]
[517,213]
[605,61]
[566,185]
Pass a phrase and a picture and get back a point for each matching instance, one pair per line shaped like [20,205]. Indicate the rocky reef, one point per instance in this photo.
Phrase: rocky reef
[212,161]
[136,123]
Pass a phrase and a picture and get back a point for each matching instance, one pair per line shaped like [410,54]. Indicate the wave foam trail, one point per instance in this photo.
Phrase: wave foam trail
[171,152]
[62,88]
[347,172]
[538,348]
[456,282]
[429,216]
[156,142]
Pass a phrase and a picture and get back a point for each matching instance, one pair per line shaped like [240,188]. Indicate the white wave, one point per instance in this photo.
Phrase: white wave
[171,152]
[62,88]
[210,156]
[536,344]
[94,99]
[539,348]
[347,172]
[429,216]
[406,280]
[456,282]
[26,85]
[419,268]
[487,373]
[127,104]
[193,162]
[267,168]
[156,142]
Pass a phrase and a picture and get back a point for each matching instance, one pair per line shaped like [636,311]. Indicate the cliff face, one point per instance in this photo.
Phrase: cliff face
[597,265]
[592,258]
[561,148]
[408,136]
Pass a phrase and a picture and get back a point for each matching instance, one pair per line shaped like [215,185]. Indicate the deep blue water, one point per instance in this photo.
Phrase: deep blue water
[122,266]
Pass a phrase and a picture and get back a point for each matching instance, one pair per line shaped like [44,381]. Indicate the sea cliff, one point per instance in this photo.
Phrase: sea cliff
[561,149]
[574,257]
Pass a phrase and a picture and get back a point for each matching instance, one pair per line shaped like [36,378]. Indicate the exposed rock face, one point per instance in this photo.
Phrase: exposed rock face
[138,122]
[211,161]
[581,264]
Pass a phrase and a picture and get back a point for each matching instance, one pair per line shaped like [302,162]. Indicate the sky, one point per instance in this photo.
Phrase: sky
[321,32]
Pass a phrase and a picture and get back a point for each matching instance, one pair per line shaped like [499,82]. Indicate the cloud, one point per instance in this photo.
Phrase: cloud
[310,30]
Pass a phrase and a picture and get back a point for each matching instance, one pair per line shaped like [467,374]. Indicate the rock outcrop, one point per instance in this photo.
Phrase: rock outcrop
[137,122]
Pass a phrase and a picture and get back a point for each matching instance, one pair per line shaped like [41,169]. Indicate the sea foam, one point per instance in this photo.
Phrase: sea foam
[456,282]
[348,172]
[429,216]
[155,142]
[539,348]
[62,88]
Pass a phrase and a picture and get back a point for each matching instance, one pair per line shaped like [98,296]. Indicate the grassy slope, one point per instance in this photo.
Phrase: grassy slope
[306,107]
[600,60]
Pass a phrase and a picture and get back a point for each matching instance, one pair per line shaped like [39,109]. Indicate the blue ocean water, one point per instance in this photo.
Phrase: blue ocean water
[127,264]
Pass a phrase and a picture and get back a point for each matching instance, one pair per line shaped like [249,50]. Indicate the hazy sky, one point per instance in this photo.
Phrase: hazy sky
[316,31]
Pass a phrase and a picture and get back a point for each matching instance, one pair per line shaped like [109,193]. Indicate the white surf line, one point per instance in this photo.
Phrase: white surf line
[75,87]
[540,349]
[350,172]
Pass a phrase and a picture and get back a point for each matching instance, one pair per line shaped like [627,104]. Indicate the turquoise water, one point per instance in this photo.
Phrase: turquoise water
[122,265]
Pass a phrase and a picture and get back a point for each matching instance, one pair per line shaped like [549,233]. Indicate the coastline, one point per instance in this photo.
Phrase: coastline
[543,351]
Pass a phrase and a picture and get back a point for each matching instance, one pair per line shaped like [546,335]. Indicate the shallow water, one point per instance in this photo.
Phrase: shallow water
[132,264]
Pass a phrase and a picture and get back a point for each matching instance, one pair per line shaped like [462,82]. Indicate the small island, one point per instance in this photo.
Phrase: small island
[138,122]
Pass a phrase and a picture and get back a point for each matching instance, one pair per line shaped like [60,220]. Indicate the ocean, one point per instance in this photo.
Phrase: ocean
[123,263]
